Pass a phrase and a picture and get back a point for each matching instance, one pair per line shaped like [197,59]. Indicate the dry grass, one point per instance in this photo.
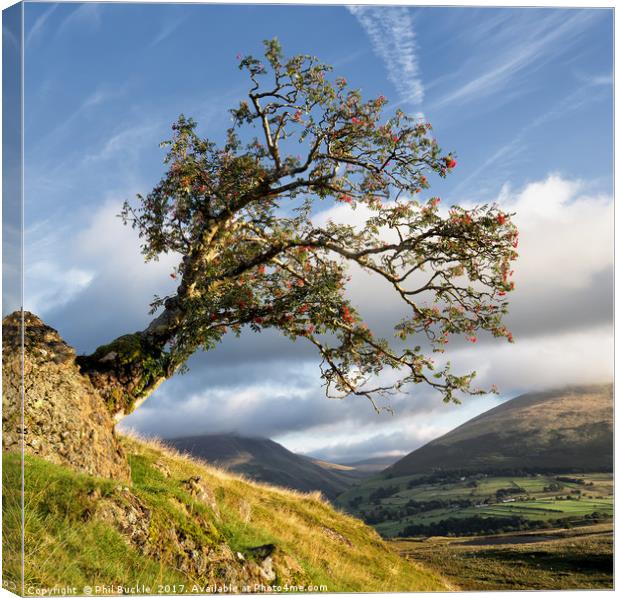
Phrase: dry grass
[568,559]
[332,549]
[134,441]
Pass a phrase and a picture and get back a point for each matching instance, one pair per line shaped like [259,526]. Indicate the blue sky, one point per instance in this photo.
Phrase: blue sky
[522,96]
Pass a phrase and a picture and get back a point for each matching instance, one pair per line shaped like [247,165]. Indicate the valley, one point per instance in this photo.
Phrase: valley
[449,504]
[180,523]
[580,557]
[526,513]
[536,461]
[519,497]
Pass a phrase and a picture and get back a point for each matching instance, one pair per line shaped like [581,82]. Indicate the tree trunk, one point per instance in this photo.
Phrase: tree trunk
[128,370]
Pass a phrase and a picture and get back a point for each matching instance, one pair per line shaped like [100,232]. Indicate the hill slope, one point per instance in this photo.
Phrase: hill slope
[539,460]
[266,461]
[558,430]
[183,522]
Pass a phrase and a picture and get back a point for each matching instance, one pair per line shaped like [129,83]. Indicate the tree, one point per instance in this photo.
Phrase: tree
[251,255]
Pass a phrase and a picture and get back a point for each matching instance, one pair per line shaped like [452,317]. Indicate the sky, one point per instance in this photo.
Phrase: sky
[522,96]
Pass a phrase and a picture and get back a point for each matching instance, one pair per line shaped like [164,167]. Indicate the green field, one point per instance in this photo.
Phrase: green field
[579,558]
[394,505]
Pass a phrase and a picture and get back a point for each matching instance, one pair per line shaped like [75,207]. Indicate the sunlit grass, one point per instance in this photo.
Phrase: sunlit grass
[67,544]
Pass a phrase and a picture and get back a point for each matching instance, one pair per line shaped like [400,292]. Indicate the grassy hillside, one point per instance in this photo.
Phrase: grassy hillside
[580,558]
[186,523]
[264,460]
[560,430]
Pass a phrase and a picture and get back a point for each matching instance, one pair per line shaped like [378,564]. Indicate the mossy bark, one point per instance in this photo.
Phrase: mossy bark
[126,371]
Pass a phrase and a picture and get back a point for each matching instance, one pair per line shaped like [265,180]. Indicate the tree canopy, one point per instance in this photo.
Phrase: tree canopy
[241,216]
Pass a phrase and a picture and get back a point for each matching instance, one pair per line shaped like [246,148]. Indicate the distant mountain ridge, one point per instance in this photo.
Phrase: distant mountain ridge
[264,460]
[564,429]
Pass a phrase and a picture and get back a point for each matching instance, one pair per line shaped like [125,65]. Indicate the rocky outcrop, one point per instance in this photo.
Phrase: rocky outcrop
[204,557]
[64,419]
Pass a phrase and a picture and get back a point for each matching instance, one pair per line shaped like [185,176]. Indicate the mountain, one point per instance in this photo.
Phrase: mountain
[540,460]
[182,525]
[264,460]
[557,430]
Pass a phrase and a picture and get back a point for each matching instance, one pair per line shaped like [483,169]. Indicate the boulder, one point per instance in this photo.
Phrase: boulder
[64,419]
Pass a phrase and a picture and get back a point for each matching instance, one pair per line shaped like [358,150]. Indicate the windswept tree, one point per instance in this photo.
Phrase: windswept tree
[240,216]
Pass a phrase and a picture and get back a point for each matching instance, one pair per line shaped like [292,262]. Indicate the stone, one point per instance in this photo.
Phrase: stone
[127,514]
[334,535]
[198,489]
[65,421]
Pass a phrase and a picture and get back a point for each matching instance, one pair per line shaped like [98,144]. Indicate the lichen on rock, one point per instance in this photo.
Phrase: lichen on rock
[64,419]
[197,488]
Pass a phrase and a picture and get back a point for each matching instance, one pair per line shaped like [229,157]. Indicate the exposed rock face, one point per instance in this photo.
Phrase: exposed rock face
[65,420]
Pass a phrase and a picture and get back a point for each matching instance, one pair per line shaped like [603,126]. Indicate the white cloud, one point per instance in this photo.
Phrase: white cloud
[288,404]
[48,283]
[566,235]
[518,47]
[391,33]
[113,251]
[565,257]
[508,152]
[125,145]
[100,96]
[600,80]
[266,385]
[47,286]
[86,18]
[99,268]
[381,436]
[47,145]
[39,24]
[537,363]
[166,31]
